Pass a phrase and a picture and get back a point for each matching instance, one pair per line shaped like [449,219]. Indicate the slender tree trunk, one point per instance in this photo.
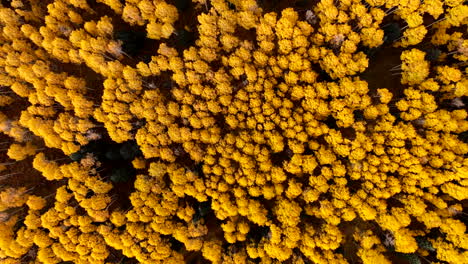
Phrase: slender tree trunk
[6,176]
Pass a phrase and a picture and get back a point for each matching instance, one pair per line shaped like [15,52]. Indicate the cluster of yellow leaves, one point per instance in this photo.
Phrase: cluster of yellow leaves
[20,152]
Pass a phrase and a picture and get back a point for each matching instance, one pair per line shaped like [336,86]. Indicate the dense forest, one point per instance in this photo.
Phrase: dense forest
[233,131]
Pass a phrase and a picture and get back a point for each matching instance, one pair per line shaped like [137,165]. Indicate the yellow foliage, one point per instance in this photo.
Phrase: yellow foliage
[265,139]
[20,152]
